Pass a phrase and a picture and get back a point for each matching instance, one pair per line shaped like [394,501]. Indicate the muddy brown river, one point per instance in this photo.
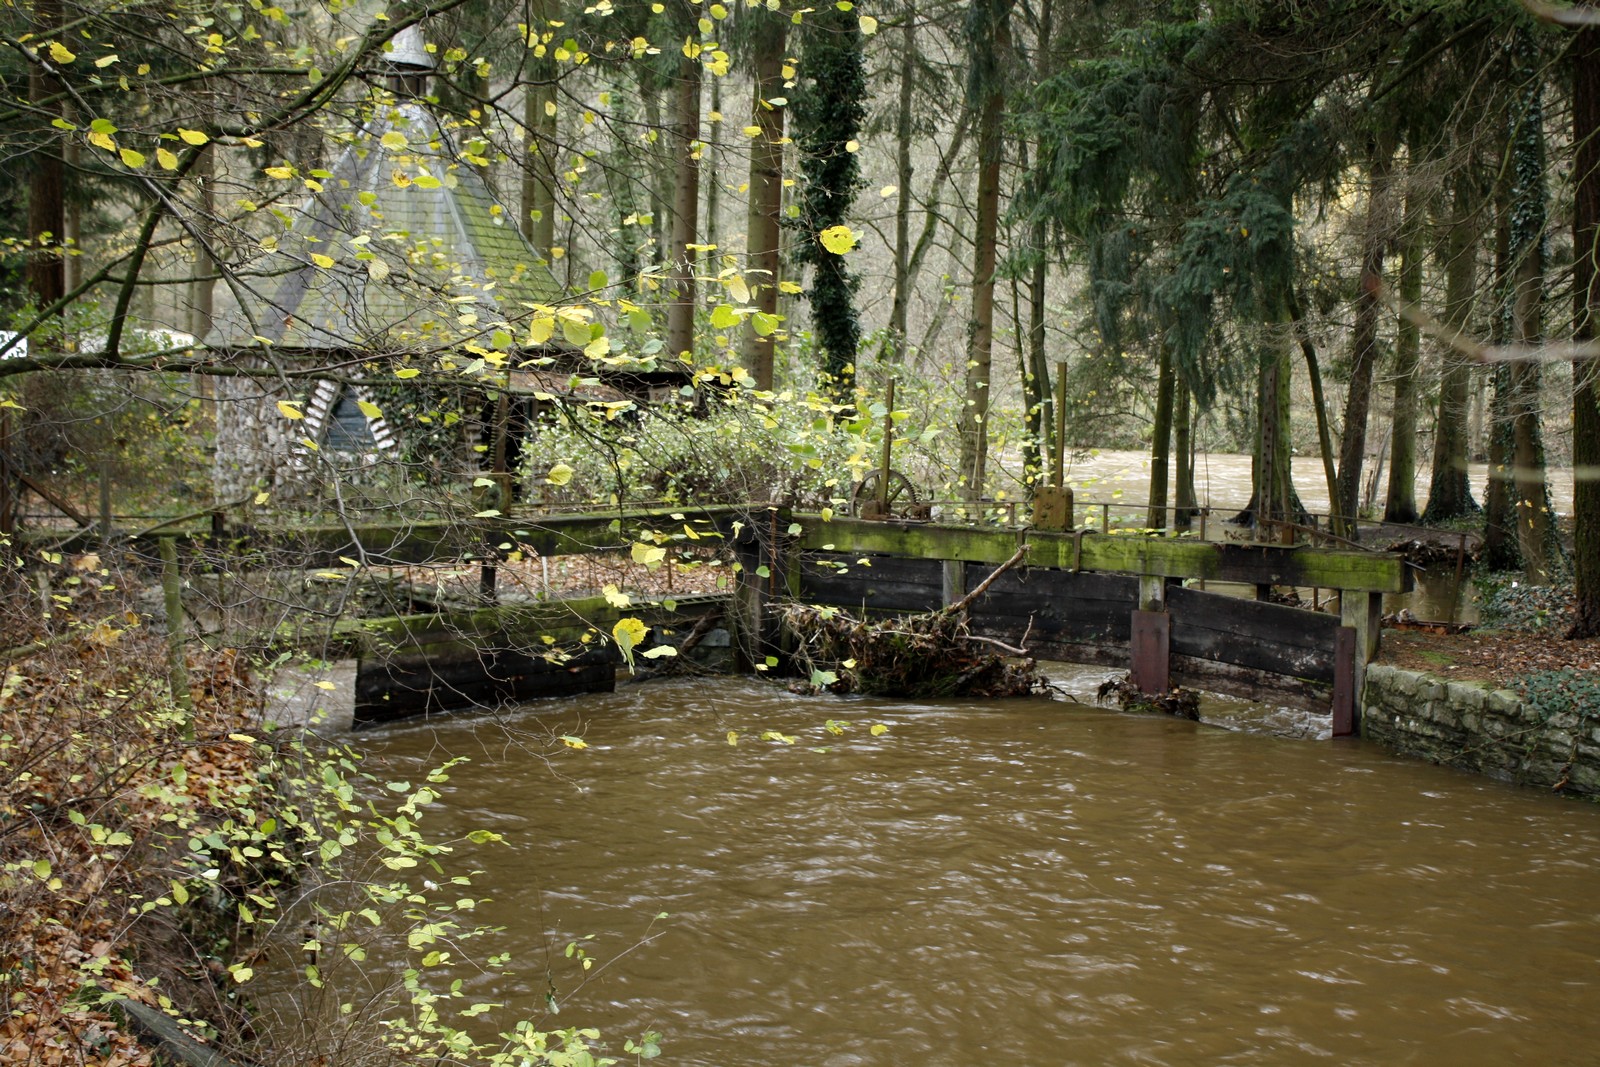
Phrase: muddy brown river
[1028,882]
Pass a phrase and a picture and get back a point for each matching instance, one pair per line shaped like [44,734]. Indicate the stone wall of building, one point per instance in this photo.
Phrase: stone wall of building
[1476,728]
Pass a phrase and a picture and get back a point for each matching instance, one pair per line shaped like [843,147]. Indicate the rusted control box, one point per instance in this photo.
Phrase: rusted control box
[1052,509]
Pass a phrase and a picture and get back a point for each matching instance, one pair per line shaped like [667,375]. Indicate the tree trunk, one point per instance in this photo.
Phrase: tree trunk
[762,232]
[1400,505]
[1450,490]
[1318,399]
[1273,497]
[1535,531]
[200,289]
[1500,543]
[685,191]
[46,188]
[1036,383]
[1585,403]
[900,310]
[538,222]
[1364,337]
[990,44]
[1161,442]
[1183,445]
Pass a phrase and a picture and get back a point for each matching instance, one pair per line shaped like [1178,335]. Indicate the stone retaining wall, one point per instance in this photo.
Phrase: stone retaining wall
[1473,727]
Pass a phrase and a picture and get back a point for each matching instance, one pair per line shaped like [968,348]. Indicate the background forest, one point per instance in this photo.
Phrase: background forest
[1345,230]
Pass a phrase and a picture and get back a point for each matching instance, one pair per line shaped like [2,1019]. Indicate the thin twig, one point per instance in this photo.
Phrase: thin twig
[983,586]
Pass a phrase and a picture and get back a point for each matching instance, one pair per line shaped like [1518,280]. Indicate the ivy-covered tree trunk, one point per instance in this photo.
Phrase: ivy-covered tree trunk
[1400,503]
[989,36]
[763,231]
[685,184]
[1500,544]
[1273,498]
[1449,489]
[1364,335]
[1585,401]
[829,107]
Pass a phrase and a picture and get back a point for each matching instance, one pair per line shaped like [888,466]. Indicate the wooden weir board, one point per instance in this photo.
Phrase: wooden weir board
[1266,637]
[1060,605]
[1251,564]
[1232,645]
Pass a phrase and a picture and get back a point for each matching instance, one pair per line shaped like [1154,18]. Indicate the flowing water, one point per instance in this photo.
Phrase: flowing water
[1026,882]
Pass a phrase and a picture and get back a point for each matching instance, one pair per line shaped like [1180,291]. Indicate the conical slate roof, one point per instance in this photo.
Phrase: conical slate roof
[403,248]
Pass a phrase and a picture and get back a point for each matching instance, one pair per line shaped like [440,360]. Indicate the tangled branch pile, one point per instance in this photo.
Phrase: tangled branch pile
[929,655]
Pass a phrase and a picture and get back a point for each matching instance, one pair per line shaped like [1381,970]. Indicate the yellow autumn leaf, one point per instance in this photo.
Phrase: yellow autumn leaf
[132,159]
[106,61]
[733,737]
[878,729]
[60,53]
[394,140]
[627,633]
[102,140]
[194,137]
[616,597]
[647,554]
[167,160]
[560,474]
[369,409]
[279,172]
[406,372]
[289,411]
[868,24]
[321,260]
[838,239]
[427,181]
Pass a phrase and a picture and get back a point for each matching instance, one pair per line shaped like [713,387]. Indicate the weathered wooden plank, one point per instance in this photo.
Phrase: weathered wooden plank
[1253,620]
[1249,684]
[1168,557]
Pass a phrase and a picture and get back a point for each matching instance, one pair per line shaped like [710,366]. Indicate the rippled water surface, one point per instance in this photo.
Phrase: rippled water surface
[1028,882]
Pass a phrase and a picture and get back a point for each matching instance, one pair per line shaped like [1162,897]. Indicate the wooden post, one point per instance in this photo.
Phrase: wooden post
[1363,613]
[1151,639]
[1346,710]
[954,580]
[1058,466]
[888,445]
[177,659]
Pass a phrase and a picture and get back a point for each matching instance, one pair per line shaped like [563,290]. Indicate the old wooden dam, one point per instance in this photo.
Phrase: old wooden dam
[1082,596]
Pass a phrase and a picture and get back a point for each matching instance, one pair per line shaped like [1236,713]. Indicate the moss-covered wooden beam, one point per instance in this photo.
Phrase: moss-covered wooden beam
[548,535]
[1253,564]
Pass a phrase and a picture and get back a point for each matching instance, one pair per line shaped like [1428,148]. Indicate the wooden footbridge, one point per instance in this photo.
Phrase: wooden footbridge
[1149,603]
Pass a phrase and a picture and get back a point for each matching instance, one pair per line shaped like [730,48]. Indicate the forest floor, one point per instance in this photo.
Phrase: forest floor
[1501,658]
